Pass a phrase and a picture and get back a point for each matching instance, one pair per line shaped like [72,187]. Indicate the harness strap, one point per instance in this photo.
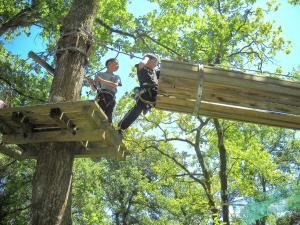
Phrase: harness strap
[146,101]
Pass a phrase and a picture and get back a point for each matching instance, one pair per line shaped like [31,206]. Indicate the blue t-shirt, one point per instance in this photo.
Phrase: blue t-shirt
[109,77]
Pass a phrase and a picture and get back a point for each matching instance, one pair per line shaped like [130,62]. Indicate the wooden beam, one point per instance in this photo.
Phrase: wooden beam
[229,112]
[258,83]
[62,120]
[43,109]
[59,136]
[192,67]
[21,120]
[42,62]
[105,151]
[239,97]
[229,94]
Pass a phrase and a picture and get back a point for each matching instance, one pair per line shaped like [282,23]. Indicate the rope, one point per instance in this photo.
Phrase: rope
[80,50]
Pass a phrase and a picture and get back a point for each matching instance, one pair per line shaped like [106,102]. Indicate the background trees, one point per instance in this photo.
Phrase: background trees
[183,169]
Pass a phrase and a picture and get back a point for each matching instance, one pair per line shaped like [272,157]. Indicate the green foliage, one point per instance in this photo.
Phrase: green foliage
[88,206]
[162,181]
[21,81]
[294,2]
[15,190]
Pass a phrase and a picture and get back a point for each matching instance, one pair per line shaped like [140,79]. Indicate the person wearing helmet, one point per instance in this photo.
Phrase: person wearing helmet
[106,86]
[148,80]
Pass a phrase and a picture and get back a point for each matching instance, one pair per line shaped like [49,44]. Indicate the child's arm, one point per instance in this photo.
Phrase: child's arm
[2,104]
[92,84]
[106,82]
[142,64]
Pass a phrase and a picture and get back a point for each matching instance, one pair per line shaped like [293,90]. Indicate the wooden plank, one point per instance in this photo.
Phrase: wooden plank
[62,120]
[98,149]
[42,62]
[189,104]
[81,119]
[41,118]
[95,116]
[254,100]
[227,73]
[26,127]
[169,85]
[250,77]
[59,136]
[69,107]
[179,65]
[238,97]
[227,112]
[211,76]
[234,117]
[261,84]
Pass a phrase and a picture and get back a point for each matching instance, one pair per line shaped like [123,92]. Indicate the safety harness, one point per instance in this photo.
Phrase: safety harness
[139,91]
[100,96]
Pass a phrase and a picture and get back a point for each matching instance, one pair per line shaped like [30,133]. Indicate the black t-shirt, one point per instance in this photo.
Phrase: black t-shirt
[147,75]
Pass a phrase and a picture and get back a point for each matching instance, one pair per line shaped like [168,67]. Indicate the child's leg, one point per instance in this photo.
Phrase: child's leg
[132,115]
[110,107]
[107,104]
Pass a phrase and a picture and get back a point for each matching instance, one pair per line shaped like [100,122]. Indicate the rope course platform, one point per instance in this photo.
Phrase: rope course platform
[81,121]
[228,94]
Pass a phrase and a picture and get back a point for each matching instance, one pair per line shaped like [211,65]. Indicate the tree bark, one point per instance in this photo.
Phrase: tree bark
[223,172]
[52,184]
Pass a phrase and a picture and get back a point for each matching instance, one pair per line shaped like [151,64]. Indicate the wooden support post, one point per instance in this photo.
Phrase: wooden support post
[62,120]
[43,63]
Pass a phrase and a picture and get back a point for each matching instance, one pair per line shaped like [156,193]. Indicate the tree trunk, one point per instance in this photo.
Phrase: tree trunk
[223,174]
[206,175]
[52,184]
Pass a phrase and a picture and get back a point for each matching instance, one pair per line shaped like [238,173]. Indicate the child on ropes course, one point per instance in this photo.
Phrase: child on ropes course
[146,93]
[106,86]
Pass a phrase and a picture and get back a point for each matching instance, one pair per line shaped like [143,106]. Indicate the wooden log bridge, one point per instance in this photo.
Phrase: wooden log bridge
[214,92]
[83,122]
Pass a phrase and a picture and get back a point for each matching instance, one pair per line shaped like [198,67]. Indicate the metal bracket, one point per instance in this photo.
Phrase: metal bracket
[199,90]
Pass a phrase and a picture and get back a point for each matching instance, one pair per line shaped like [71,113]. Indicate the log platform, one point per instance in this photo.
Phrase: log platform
[234,95]
[82,122]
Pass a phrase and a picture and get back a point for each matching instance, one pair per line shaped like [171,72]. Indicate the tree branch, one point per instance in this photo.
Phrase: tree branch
[135,37]
[20,92]
[222,173]
[25,17]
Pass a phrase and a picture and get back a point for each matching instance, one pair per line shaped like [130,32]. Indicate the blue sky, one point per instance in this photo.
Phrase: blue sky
[287,16]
